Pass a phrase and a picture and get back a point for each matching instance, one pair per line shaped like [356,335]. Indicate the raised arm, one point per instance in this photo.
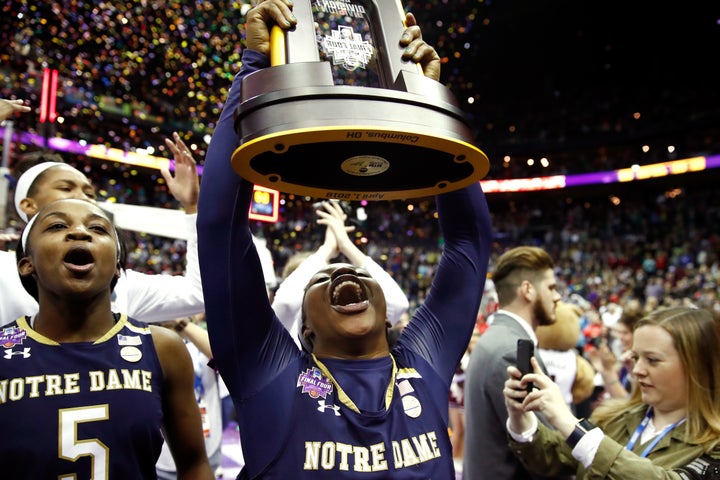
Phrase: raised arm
[441,328]
[248,342]
[237,306]
[160,298]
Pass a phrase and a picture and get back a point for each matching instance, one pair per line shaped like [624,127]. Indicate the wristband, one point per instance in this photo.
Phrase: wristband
[582,427]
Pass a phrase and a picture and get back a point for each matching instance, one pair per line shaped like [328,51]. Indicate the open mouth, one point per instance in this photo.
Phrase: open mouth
[79,260]
[348,294]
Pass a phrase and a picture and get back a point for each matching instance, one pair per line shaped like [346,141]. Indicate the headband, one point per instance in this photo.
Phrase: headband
[26,234]
[26,181]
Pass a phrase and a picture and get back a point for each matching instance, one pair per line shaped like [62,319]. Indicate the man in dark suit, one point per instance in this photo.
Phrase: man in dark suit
[527,296]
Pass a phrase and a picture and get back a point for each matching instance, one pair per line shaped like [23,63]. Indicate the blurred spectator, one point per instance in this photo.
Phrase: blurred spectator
[570,370]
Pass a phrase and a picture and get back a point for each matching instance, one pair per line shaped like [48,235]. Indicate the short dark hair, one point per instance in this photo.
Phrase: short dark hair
[29,160]
[518,264]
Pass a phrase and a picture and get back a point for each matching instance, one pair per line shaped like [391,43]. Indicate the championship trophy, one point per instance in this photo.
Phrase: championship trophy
[339,115]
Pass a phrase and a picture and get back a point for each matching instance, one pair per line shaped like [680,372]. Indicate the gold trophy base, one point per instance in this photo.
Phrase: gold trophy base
[359,163]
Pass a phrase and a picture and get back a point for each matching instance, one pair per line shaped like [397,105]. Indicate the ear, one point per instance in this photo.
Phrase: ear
[26,266]
[526,290]
[28,206]
[307,338]
[116,276]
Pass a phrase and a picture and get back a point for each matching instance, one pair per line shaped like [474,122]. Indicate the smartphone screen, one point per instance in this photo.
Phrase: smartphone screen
[525,350]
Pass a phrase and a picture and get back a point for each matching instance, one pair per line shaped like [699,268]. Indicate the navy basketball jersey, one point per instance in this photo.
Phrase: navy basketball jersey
[86,410]
[330,436]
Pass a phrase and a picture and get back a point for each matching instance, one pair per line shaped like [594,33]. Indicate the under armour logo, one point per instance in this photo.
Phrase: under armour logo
[9,353]
[324,407]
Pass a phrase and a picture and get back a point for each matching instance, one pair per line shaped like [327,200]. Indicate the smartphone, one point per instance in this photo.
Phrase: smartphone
[525,350]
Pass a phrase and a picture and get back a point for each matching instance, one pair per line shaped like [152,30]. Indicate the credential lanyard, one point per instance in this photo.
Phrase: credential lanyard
[641,428]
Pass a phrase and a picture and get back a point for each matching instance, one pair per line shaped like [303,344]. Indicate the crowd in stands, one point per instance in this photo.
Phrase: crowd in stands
[648,245]
[653,242]
[132,73]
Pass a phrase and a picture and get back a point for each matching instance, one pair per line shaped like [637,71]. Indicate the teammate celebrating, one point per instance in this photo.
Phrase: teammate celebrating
[84,391]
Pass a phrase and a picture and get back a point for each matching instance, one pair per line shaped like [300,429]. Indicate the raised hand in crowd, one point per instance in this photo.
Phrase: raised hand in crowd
[183,182]
[10,107]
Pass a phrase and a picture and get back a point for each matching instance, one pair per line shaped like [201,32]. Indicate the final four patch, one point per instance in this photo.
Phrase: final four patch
[314,383]
[11,336]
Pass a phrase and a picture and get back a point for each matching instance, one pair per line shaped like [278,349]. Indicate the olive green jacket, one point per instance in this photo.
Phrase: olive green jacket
[550,455]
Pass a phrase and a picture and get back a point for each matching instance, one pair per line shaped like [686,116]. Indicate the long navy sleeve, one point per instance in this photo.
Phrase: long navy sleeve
[240,321]
[441,328]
